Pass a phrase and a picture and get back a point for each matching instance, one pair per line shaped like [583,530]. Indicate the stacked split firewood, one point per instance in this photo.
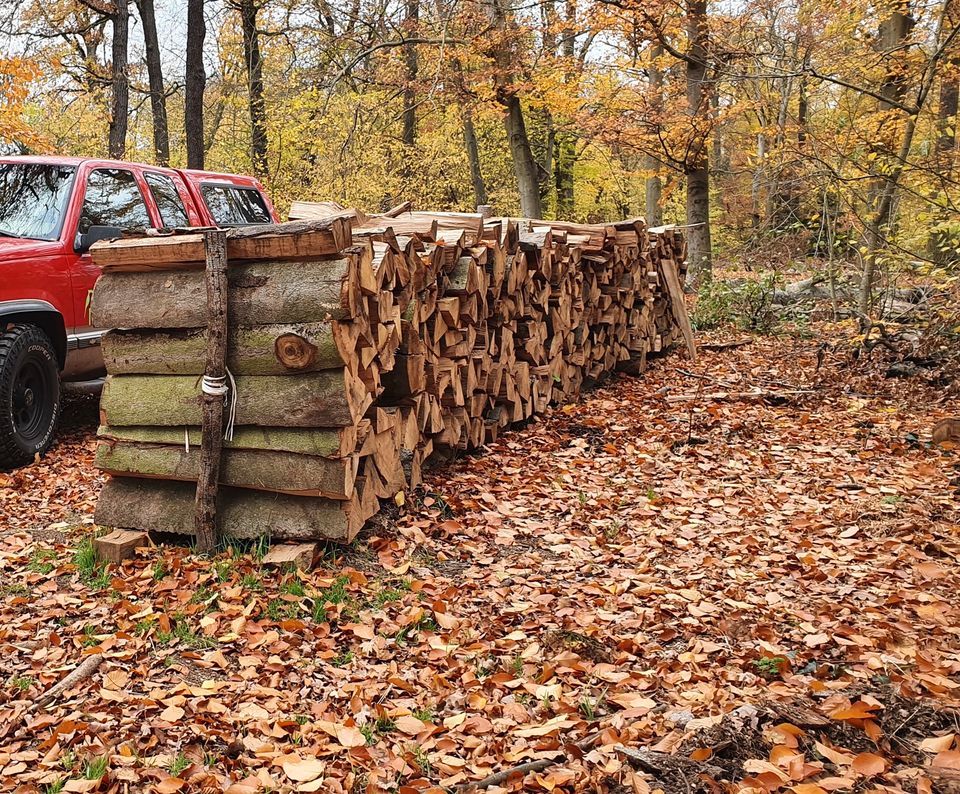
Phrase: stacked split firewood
[359,349]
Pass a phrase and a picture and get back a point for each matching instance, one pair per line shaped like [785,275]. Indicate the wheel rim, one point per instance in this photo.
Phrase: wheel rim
[29,395]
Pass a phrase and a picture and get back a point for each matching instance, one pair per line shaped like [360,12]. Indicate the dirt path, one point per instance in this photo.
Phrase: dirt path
[621,574]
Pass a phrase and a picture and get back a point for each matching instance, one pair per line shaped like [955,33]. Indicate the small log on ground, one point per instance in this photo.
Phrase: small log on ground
[119,545]
[300,555]
[156,506]
[333,398]
[262,350]
[263,470]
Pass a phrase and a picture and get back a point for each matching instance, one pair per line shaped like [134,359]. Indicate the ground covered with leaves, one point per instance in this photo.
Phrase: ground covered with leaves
[739,575]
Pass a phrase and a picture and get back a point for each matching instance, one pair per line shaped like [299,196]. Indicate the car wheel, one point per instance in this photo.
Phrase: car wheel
[29,394]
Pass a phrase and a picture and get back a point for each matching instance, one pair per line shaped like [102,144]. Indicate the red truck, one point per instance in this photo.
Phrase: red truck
[52,209]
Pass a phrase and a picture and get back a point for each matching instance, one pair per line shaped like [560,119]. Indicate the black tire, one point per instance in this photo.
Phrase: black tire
[29,395]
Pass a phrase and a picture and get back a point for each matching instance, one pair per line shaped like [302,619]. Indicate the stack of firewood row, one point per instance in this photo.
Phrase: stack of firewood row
[360,349]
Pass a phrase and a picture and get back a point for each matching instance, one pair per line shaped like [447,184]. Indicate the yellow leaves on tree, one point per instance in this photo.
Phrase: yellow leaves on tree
[16,74]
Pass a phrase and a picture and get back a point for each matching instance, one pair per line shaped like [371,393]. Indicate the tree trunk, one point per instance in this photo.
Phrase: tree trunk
[120,97]
[699,254]
[473,157]
[524,164]
[942,245]
[158,99]
[654,185]
[254,63]
[411,23]
[566,159]
[194,84]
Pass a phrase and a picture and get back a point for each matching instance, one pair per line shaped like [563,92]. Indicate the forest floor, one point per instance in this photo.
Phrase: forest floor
[673,585]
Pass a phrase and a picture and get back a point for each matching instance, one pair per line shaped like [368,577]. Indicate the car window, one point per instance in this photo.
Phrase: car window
[33,197]
[164,192]
[113,198]
[230,205]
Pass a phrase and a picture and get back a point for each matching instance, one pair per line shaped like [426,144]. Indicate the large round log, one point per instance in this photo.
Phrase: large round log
[333,398]
[263,470]
[260,350]
[156,506]
[260,293]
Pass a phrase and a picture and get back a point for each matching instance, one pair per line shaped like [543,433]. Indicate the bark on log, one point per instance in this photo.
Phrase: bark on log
[334,398]
[295,240]
[333,443]
[261,350]
[168,507]
[261,293]
[262,470]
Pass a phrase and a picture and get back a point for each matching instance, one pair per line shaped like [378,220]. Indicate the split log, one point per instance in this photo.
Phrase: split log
[333,398]
[155,506]
[335,442]
[261,350]
[262,470]
[296,240]
[260,293]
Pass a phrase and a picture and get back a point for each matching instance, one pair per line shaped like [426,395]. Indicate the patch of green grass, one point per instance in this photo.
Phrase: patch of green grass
[41,561]
[68,760]
[223,570]
[769,666]
[15,590]
[422,761]
[335,594]
[250,581]
[21,683]
[383,724]
[424,714]
[89,636]
[189,637]
[301,719]
[516,666]
[159,570]
[368,734]
[589,707]
[56,787]
[92,572]
[143,627]
[293,587]
[279,609]
[342,659]
[424,623]
[387,596]
[95,768]
[204,595]
[179,763]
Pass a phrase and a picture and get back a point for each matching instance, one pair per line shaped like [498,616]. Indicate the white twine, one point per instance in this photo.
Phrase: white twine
[218,387]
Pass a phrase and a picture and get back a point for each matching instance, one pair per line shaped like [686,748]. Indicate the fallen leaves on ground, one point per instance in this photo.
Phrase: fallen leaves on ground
[651,594]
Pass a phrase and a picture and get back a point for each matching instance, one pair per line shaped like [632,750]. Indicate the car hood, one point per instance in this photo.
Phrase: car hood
[13,248]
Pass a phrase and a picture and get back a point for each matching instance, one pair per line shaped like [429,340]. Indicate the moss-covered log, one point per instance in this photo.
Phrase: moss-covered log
[260,350]
[261,293]
[328,443]
[305,475]
[334,398]
[156,506]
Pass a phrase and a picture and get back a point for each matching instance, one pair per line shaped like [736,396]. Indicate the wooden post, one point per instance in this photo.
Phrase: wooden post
[211,441]
[486,210]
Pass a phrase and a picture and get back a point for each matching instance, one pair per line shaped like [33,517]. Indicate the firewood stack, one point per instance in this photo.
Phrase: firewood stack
[361,347]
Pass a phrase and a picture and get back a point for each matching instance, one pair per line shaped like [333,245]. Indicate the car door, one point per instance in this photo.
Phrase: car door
[113,196]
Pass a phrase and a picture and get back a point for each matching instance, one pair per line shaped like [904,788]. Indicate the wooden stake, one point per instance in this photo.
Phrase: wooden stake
[211,441]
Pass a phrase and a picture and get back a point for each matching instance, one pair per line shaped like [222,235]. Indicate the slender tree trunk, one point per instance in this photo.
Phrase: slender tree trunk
[411,23]
[565,161]
[941,245]
[194,84]
[758,180]
[894,30]
[120,99]
[524,164]
[258,107]
[473,157]
[697,169]
[653,184]
[158,99]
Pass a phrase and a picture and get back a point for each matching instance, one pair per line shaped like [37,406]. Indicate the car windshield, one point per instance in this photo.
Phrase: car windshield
[33,197]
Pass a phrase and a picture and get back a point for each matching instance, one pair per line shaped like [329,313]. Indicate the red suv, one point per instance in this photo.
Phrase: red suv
[52,209]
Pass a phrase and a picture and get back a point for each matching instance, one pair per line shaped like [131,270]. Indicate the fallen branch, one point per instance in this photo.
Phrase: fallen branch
[757,394]
[725,345]
[84,670]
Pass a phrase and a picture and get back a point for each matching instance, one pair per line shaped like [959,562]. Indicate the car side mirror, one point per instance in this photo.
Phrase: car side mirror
[93,234]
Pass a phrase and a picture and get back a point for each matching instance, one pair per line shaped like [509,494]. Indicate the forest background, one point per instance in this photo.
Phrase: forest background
[777,130]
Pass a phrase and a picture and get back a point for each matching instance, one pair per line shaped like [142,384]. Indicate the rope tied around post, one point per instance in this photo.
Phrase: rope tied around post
[219,387]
